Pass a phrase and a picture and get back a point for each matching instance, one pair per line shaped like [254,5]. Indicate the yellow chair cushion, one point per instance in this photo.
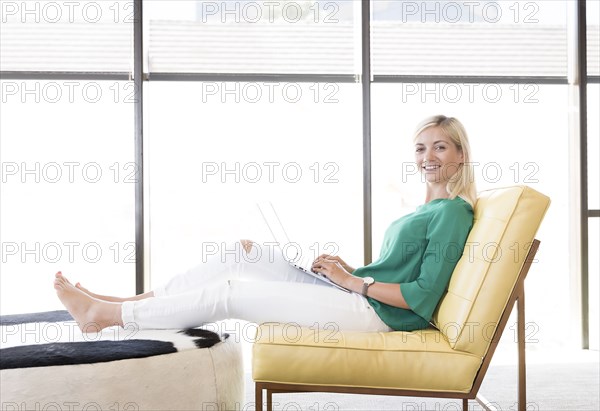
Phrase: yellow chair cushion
[417,360]
[505,223]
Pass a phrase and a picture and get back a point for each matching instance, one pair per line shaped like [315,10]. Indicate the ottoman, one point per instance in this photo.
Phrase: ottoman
[47,363]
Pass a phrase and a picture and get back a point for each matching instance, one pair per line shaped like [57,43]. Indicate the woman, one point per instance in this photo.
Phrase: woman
[398,291]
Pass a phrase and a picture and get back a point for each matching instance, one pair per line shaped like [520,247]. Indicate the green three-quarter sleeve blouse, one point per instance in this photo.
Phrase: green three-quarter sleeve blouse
[419,252]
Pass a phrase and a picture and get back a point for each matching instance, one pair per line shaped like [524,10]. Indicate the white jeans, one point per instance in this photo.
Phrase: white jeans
[258,286]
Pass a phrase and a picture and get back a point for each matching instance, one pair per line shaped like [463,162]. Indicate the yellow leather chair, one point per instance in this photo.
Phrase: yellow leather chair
[450,358]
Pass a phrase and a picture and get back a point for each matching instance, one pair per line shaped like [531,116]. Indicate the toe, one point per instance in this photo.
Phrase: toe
[62,281]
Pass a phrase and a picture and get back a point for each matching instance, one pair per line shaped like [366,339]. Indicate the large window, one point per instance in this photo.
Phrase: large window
[66,148]
[516,38]
[216,149]
[84,36]
[504,91]
[523,142]
[267,120]
[67,189]
[247,102]
[310,37]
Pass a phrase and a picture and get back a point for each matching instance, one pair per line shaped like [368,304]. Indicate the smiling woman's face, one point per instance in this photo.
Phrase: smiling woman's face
[437,157]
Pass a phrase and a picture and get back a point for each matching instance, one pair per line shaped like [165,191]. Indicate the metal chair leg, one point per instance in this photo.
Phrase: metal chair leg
[269,400]
[258,392]
[522,387]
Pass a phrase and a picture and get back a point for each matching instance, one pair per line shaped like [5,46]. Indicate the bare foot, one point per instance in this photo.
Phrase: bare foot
[88,292]
[91,315]
[110,298]
[94,295]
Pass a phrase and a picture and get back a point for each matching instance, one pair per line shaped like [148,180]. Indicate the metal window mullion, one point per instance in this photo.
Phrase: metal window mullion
[285,77]
[408,78]
[582,74]
[252,77]
[366,103]
[138,79]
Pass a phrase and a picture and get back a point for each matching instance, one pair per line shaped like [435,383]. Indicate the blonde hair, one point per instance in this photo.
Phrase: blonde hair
[462,183]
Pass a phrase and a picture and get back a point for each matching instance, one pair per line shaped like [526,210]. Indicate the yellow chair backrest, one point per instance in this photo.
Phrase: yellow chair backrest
[506,221]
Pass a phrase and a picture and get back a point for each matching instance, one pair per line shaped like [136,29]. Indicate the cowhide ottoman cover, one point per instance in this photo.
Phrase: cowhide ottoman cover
[47,363]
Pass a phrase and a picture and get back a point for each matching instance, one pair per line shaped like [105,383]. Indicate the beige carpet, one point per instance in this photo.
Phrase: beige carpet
[555,386]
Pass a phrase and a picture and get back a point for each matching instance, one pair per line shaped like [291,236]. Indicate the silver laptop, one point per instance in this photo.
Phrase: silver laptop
[281,238]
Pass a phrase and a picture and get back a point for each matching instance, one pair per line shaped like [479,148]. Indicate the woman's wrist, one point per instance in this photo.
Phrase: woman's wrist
[353,283]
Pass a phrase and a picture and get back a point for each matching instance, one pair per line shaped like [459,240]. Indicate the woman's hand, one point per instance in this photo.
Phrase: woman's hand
[333,269]
[335,258]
